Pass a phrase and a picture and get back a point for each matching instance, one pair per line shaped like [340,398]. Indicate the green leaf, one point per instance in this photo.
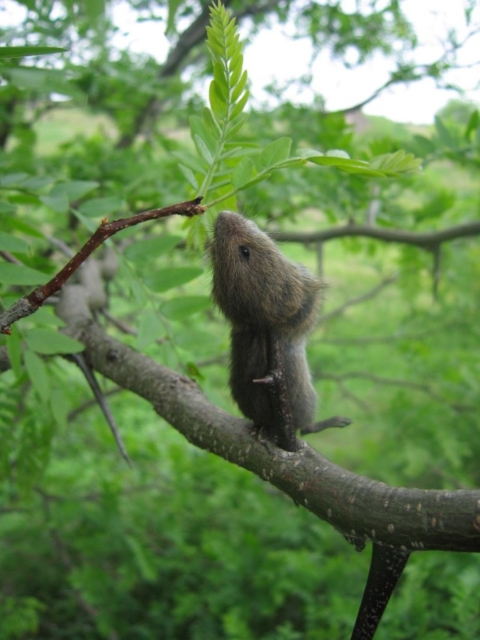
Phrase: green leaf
[14,348]
[291,162]
[236,151]
[20,52]
[215,48]
[37,182]
[12,244]
[21,275]
[396,164]
[100,207]
[435,206]
[233,48]
[164,279]
[143,563]
[211,123]
[473,123]
[349,166]
[198,128]
[215,43]
[235,65]
[424,145]
[149,328]
[13,179]
[275,152]
[181,308]
[337,153]
[46,316]
[59,406]
[240,106]
[242,173]
[188,175]
[51,342]
[447,139]
[44,81]
[24,227]
[38,374]
[89,224]
[148,250]
[202,149]
[198,341]
[221,80]
[193,371]
[74,189]
[235,125]
[239,88]
[190,161]
[7,207]
[217,103]
[28,199]
[57,202]
[236,70]
[230,28]
[309,153]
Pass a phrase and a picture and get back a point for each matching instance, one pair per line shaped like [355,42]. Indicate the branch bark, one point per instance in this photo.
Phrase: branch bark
[360,508]
[425,240]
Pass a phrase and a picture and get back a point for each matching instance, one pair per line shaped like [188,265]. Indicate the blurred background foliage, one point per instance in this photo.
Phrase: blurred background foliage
[183,545]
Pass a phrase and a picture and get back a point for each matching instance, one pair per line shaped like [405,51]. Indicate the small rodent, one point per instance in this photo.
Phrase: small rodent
[263,294]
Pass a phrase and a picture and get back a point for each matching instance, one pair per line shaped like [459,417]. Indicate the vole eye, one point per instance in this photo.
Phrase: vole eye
[245,251]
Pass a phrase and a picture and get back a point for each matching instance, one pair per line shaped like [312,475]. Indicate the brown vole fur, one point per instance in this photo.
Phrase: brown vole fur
[264,295]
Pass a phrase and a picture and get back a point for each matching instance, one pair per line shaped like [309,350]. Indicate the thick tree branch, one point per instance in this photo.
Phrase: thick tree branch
[360,508]
[425,240]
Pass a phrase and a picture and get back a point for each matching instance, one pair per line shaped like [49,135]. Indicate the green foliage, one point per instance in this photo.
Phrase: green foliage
[456,136]
[21,52]
[253,574]
[223,170]
[183,544]
[20,616]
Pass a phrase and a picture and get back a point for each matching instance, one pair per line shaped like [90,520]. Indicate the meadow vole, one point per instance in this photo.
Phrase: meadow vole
[264,295]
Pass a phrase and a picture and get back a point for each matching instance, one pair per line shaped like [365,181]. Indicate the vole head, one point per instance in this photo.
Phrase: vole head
[255,284]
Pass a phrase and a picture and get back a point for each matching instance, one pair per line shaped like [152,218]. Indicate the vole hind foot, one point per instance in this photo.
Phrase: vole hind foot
[334,422]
